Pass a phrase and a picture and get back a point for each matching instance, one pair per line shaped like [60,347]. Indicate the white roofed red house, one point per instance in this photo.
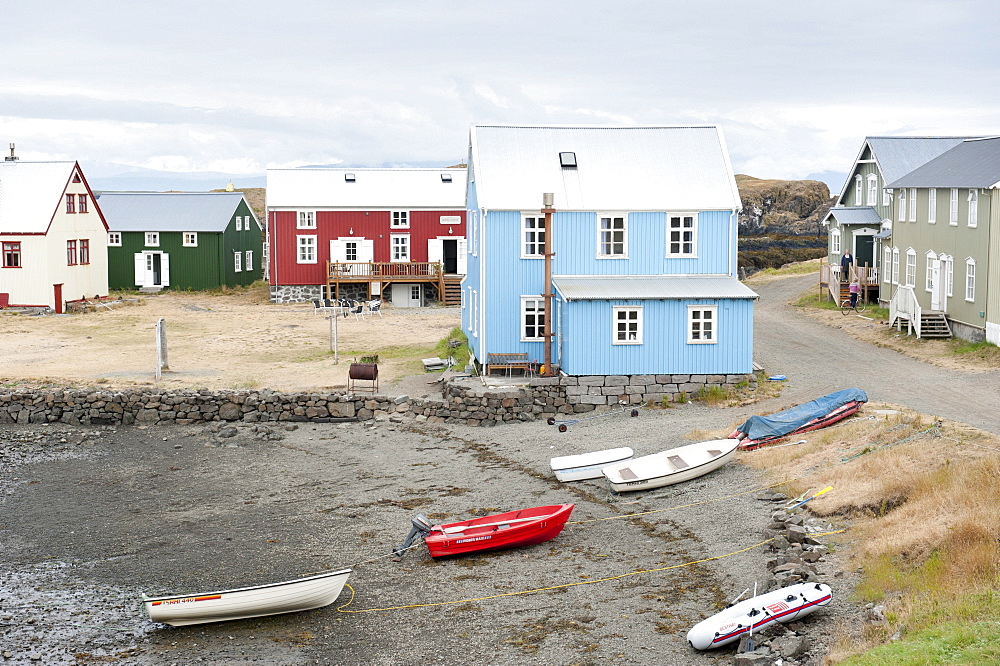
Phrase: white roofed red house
[395,234]
[53,237]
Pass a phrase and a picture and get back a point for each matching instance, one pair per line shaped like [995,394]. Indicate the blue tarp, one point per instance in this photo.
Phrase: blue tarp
[783,423]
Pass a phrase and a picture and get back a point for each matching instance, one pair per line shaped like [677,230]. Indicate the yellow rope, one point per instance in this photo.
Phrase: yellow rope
[340,609]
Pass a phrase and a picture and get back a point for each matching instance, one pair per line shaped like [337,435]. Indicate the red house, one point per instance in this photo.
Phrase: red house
[395,234]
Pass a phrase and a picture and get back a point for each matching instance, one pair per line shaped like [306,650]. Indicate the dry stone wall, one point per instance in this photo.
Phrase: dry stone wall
[464,400]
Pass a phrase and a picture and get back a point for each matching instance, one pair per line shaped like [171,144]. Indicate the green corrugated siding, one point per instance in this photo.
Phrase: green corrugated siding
[241,241]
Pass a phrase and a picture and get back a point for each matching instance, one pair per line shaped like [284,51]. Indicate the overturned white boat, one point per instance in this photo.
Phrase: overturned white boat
[668,467]
[588,465]
[784,605]
[289,596]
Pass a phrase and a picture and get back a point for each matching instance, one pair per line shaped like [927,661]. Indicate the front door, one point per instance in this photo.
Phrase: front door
[450,248]
[57,293]
[407,295]
[154,270]
[864,251]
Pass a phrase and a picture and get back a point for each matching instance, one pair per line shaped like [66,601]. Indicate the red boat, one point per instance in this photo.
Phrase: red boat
[761,431]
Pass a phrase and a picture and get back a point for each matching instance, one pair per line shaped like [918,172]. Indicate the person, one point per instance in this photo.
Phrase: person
[846,264]
[855,289]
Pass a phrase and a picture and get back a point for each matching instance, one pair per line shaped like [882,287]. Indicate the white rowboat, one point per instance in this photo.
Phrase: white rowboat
[668,467]
[289,596]
[587,465]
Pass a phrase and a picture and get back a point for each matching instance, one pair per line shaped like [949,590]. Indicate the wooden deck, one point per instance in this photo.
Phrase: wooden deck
[385,273]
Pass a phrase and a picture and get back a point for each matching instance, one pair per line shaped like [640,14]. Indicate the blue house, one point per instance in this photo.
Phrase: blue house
[644,242]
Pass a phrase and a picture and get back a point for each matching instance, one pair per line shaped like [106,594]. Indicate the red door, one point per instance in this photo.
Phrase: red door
[59,301]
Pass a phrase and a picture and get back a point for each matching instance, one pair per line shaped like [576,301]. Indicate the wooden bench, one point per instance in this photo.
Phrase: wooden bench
[508,362]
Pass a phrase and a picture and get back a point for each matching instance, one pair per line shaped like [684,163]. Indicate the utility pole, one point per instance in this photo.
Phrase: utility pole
[547,209]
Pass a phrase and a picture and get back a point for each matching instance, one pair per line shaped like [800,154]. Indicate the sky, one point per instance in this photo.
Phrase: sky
[189,87]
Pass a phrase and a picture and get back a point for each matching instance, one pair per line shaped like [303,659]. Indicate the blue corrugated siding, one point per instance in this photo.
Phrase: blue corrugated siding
[473,269]
[587,348]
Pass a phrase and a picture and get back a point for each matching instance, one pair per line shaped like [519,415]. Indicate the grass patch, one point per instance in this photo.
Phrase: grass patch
[455,345]
[985,352]
[947,643]
[797,268]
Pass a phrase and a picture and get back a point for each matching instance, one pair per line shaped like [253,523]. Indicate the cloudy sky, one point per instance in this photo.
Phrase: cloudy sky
[205,86]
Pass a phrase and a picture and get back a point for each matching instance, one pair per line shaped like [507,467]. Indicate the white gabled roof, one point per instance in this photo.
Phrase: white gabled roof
[618,168]
[327,187]
[30,194]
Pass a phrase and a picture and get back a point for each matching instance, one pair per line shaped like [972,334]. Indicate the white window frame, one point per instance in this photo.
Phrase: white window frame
[305,250]
[474,245]
[858,190]
[886,196]
[953,208]
[114,239]
[189,239]
[633,325]
[532,236]
[970,280]
[928,283]
[399,248]
[537,304]
[901,216]
[887,263]
[973,208]
[895,265]
[932,205]
[248,260]
[400,219]
[239,223]
[911,267]
[872,199]
[913,205]
[237,262]
[835,241]
[152,239]
[352,250]
[949,278]
[680,231]
[606,243]
[306,219]
[696,331]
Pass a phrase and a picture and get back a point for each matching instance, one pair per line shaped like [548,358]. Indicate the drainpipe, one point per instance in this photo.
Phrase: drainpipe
[547,209]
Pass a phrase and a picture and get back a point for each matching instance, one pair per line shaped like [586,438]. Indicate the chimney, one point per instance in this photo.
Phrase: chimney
[13,157]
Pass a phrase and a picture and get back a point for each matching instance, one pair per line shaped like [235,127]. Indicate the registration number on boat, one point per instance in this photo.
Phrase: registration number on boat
[478,538]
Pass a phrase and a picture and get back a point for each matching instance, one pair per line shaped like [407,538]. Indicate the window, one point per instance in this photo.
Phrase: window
[857,190]
[189,239]
[932,206]
[872,189]
[307,220]
[532,318]
[70,203]
[350,250]
[973,208]
[239,223]
[929,278]
[681,236]
[902,206]
[835,241]
[970,279]
[911,267]
[400,219]
[949,274]
[887,264]
[415,292]
[152,239]
[115,238]
[701,324]
[85,251]
[400,247]
[237,262]
[12,254]
[895,265]
[248,263]
[81,203]
[534,236]
[306,249]
[953,207]
[886,196]
[612,235]
[913,204]
[71,253]
[627,322]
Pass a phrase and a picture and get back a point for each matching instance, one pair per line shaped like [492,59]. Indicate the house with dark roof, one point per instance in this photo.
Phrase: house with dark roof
[943,253]
[52,236]
[181,240]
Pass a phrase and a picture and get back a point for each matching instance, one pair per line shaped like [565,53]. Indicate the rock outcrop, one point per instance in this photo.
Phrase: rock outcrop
[782,206]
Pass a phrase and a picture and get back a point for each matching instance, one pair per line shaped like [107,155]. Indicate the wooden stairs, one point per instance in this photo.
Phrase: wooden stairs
[452,290]
[934,325]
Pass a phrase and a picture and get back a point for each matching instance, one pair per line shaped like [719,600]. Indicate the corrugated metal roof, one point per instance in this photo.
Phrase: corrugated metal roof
[649,287]
[169,211]
[972,163]
[326,187]
[30,193]
[855,215]
[899,155]
[618,168]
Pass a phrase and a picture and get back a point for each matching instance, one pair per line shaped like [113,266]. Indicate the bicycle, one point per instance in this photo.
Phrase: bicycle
[859,306]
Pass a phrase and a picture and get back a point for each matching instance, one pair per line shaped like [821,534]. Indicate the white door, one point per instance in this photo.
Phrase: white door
[407,295]
[152,269]
[936,284]
[463,250]
[353,250]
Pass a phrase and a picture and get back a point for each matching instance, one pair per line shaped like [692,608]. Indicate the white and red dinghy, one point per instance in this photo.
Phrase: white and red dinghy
[784,605]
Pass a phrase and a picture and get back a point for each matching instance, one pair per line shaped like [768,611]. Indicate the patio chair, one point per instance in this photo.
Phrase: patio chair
[357,309]
[374,307]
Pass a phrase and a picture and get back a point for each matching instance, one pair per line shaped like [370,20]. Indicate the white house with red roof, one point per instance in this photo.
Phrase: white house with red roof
[53,237]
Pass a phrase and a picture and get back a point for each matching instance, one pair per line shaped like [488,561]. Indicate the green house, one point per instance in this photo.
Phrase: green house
[181,240]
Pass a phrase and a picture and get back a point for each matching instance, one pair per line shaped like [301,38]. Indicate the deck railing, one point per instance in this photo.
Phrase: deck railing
[904,305]
[366,270]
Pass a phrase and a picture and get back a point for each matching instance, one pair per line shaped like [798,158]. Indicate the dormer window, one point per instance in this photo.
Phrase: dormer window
[446,178]
[567,160]
[349,177]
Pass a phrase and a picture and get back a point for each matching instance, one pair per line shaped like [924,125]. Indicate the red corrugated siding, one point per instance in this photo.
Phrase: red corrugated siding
[424,225]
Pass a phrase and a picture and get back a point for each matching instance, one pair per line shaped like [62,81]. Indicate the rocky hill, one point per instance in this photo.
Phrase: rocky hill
[783,206]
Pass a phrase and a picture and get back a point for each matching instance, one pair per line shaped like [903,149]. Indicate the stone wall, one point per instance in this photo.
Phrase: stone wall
[304,293]
[464,400]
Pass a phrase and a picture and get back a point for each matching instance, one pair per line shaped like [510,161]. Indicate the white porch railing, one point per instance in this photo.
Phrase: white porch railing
[904,305]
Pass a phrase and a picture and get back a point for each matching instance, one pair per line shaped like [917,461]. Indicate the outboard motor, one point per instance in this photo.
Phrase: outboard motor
[421,527]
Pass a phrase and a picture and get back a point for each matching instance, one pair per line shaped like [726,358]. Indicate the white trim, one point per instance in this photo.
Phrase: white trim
[932,205]
[953,208]
[901,205]
[872,196]
[237,262]
[858,190]
[539,325]
[970,280]
[835,241]
[152,239]
[189,242]
[404,255]
[632,325]
[248,260]
[681,241]
[912,216]
[114,239]
[973,214]
[697,332]
[305,219]
[895,265]
[911,267]
[399,219]
[306,243]
[930,258]
[538,231]
[611,232]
